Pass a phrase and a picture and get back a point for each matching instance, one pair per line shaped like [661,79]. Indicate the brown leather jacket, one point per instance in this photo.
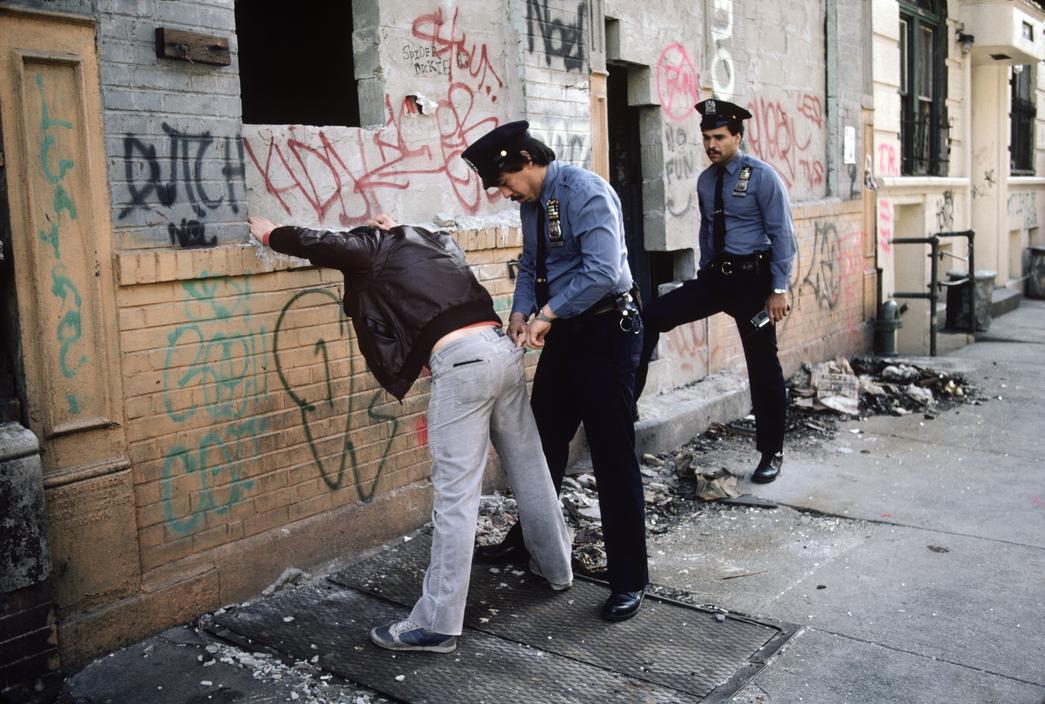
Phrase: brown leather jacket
[404,289]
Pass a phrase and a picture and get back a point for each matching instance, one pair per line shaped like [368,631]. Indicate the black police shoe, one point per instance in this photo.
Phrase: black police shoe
[511,549]
[768,468]
[622,605]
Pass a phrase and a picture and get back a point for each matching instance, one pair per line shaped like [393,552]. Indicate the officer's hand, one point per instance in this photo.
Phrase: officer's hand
[260,228]
[538,329]
[777,306]
[517,332]
[382,220]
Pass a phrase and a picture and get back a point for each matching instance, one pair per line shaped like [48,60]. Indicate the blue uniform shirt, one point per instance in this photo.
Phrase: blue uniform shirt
[756,219]
[593,261]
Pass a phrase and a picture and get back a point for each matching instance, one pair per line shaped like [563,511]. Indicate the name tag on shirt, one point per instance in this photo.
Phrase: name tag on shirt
[740,190]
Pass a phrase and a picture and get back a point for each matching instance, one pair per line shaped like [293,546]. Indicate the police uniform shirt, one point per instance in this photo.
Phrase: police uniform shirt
[758,215]
[593,259]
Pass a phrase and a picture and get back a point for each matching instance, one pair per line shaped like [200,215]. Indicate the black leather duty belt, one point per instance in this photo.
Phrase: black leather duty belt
[614,302]
[729,264]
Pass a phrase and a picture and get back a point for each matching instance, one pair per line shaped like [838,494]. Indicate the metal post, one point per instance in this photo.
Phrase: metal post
[972,276]
[934,295]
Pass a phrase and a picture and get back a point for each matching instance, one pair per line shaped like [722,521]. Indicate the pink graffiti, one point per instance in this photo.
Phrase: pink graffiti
[448,42]
[335,179]
[688,346]
[678,84]
[778,137]
[812,108]
[887,160]
[885,225]
[421,428]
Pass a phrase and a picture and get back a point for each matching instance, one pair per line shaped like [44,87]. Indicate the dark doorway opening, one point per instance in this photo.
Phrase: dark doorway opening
[12,390]
[626,174]
[296,66]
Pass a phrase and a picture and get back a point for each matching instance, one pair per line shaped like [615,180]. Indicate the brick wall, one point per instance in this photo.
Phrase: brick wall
[826,290]
[249,407]
[28,650]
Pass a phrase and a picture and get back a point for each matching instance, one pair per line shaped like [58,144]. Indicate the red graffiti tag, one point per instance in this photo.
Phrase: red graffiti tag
[885,225]
[342,177]
[448,42]
[783,140]
[887,160]
[421,427]
[678,84]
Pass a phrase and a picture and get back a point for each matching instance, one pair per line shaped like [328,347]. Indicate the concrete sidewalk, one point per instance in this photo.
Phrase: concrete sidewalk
[912,551]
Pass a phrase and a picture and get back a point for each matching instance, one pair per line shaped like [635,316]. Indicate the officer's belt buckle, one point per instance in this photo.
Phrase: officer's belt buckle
[726,267]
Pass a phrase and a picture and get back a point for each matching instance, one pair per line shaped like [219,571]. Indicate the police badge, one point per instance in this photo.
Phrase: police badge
[740,190]
[554,228]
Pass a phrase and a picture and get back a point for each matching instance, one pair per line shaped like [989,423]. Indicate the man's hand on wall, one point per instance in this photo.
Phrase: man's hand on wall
[261,228]
[383,221]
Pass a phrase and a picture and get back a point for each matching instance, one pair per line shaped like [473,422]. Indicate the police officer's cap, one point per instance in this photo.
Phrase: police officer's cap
[719,113]
[487,154]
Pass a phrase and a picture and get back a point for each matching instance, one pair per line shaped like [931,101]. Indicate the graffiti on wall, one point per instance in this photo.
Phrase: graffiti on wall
[887,162]
[678,85]
[560,38]
[723,70]
[1023,209]
[69,329]
[682,163]
[317,403]
[561,136]
[687,346]
[833,261]
[782,133]
[159,183]
[886,225]
[338,176]
[213,382]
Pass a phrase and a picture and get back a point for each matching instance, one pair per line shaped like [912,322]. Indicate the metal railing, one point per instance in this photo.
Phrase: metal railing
[933,294]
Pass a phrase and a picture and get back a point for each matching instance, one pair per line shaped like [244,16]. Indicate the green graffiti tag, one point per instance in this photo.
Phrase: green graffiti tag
[226,365]
[308,408]
[226,378]
[227,465]
[68,331]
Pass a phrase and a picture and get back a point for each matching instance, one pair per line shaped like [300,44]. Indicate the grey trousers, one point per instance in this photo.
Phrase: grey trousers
[478,395]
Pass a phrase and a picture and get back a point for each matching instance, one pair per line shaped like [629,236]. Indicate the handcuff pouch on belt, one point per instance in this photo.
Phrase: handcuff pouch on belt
[629,312]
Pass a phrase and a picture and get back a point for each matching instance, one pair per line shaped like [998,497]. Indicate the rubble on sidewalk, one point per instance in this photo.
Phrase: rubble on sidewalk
[866,386]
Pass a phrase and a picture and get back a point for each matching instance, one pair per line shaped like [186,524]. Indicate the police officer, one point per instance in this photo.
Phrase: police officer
[746,250]
[575,280]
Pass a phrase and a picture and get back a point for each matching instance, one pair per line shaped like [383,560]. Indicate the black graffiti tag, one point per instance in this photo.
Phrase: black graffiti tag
[184,177]
[570,44]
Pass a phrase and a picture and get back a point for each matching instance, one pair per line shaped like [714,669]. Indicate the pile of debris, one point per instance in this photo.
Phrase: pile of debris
[872,386]
[670,484]
[676,483]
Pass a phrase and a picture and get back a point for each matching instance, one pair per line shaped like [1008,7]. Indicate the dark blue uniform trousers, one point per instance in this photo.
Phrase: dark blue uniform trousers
[586,374]
[741,295]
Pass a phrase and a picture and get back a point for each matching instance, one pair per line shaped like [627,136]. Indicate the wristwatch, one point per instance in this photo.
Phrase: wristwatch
[542,317]
[780,290]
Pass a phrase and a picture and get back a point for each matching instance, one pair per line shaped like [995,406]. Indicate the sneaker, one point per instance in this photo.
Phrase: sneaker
[557,586]
[407,635]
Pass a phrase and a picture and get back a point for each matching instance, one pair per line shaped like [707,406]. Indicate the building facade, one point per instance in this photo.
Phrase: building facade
[958,144]
[203,416]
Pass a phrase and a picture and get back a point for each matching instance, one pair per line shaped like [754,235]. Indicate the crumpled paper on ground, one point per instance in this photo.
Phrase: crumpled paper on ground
[716,484]
[833,386]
